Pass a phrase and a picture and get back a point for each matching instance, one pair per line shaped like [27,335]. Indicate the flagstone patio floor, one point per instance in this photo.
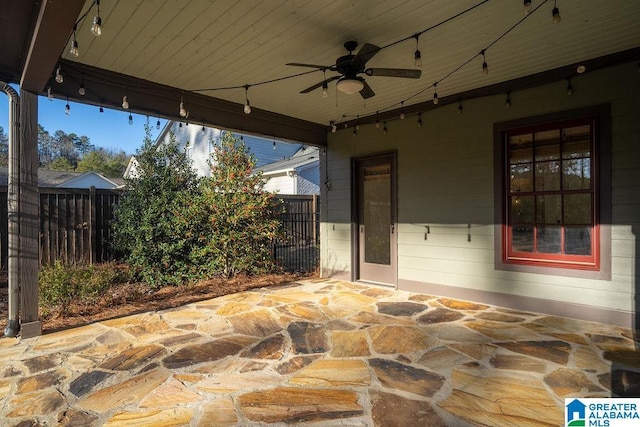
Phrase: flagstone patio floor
[316,353]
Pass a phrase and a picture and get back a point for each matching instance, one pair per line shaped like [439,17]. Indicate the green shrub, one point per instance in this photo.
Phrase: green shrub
[61,284]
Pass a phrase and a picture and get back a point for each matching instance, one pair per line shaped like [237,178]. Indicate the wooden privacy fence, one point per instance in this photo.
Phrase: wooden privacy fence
[75,225]
[75,228]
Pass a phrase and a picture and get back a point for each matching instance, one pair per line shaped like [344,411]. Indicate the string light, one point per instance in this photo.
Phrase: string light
[59,77]
[158,124]
[402,115]
[325,86]
[419,120]
[81,90]
[101,109]
[435,93]
[130,119]
[180,125]
[459,106]
[247,107]
[182,111]
[355,132]
[507,103]
[556,13]
[485,67]
[357,124]
[125,102]
[527,6]
[384,129]
[274,145]
[569,87]
[417,56]
[49,94]
[377,121]
[203,128]
[96,27]
[334,128]
[67,108]
[74,43]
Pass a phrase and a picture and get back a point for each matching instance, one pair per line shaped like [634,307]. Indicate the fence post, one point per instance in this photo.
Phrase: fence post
[92,225]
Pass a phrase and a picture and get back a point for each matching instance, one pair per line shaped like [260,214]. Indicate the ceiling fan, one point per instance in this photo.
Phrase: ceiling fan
[350,67]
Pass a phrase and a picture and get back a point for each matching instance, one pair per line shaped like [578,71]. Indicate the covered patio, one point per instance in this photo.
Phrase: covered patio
[318,352]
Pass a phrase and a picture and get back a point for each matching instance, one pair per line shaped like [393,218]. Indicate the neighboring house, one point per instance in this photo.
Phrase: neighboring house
[65,179]
[198,143]
[299,174]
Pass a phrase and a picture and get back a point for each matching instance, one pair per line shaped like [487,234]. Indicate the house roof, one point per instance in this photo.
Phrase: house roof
[216,55]
[52,179]
[300,159]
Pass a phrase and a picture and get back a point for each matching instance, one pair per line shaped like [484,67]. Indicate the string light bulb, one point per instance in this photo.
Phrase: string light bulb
[74,43]
[485,66]
[527,7]
[384,128]
[67,108]
[247,106]
[96,27]
[101,109]
[325,85]
[203,128]
[59,77]
[158,124]
[180,125]
[130,119]
[556,14]
[417,56]
[355,132]
[419,120]
[507,103]
[402,114]
[49,94]
[435,94]
[125,102]
[569,87]
[459,106]
[182,111]
[274,145]
[334,128]
[81,90]
[377,121]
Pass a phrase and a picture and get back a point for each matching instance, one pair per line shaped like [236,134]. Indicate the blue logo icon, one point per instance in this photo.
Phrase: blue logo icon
[576,414]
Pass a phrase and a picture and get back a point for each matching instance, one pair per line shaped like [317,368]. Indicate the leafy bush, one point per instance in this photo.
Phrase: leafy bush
[61,284]
[145,227]
[235,218]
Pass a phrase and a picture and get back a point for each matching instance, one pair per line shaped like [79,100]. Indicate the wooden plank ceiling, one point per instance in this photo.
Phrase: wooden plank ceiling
[189,46]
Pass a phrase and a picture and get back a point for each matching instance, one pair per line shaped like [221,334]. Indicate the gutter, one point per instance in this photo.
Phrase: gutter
[13,324]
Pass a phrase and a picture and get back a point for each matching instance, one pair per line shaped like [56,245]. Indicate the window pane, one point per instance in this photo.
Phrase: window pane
[547,144]
[521,148]
[522,210]
[577,209]
[549,210]
[548,176]
[576,174]
[577,240]
[377,214]
[576,142]
[521,177]
[522,238]
[548,239]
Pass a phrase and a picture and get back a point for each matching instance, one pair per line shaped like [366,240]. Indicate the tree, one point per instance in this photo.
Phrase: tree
[146,229]
[4,148]
[61,164]
[236,219]
[108,163]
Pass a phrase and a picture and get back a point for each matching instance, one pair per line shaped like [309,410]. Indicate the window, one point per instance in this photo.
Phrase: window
[551,205]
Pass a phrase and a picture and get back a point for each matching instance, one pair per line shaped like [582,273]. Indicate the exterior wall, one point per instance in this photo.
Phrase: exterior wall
[308,179]
[87,181]
[446,183]
[198,145]
[281,184]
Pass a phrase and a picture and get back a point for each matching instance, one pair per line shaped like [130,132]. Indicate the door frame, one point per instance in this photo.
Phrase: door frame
[355,211]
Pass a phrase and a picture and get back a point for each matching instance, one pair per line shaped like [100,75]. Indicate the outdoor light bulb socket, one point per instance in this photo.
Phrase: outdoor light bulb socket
[325,88]
[67,109]
[527,6]
[59,78]
[101,109]
[96,27]
[556,15]
[247,107]
[485,68]
[125,102]
[50,94]
[130,119]
[418,59]
[183,111]
[435,98]
[158,124]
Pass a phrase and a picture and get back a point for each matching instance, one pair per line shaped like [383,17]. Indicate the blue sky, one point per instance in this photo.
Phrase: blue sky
[109,130]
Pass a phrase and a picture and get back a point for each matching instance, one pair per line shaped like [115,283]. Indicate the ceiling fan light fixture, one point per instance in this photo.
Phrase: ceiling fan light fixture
[350,85]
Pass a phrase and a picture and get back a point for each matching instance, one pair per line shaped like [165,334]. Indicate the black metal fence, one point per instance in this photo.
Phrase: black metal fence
[299,249]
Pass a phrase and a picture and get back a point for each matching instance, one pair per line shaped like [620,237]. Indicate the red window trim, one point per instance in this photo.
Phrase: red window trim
[576,262]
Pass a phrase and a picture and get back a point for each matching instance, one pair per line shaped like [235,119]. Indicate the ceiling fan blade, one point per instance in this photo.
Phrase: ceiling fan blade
[405,73]
[366,92]
[317,85]
[366,52]
[296,64]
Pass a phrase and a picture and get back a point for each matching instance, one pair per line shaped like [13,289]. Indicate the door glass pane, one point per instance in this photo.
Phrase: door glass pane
[377,214]
[577,240]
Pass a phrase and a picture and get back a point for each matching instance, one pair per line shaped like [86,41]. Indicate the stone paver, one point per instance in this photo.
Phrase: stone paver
[316,353]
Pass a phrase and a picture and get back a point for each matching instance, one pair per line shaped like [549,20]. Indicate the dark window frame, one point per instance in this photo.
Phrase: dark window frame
[599,266]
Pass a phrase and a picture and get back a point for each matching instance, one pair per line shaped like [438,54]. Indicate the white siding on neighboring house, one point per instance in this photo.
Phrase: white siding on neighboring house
[298,174]
[445,180]
[88,180]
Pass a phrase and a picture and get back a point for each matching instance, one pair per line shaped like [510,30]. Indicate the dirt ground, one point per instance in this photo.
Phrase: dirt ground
[130,298]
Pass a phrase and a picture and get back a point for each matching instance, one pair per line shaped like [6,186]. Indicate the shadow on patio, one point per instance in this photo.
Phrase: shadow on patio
[318,352]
